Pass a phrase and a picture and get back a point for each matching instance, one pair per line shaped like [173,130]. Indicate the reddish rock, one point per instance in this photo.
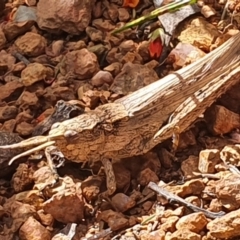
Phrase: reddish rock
[169,224]
[31,44]
[67,205]
[132,57]
[188,139]
[201,40]
[226,227]
[114,40]
[230,154]
[71,16]
[8,112]
[147,205]
[194,200]
[111,55]
[33,230]
[227,191]
[103,25]
[81,63]
[152,64]
[94,34]
[45,218]
[208,11]
[55,48]
[223,38]
[102,77]
[24,117]
[7,59]
[43,177]
[71,46]
[183,234]
[111,13]
[91,98]
[216,117]
[191,187]
[12,29]
[35,72]
[11,91]
[54,93]
[208,159]
[146,176]
[22,178]
[116,221]
[177,212]
[143,50]
[91,188]
[114,68]
[20,212]
[8,126]
[27,99]
[123,202]
[184,54]
[215,206]
[133,77]
[189,166]
[158,234]
[195,222]
[24,129]
[127,46]
[17,68]
[123,15]
[97,10]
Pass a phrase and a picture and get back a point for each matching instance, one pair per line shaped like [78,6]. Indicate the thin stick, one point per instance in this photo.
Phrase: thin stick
[174,198]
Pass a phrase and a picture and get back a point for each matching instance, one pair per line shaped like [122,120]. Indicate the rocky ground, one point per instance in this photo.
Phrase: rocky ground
[59,59]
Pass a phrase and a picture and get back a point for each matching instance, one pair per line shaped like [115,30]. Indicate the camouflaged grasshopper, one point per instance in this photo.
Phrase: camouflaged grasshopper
[134,124]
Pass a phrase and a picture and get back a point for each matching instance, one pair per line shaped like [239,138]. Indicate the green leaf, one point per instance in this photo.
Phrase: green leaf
[171,7]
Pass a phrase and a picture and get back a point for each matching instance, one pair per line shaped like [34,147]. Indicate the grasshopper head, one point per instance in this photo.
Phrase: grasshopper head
[66,129]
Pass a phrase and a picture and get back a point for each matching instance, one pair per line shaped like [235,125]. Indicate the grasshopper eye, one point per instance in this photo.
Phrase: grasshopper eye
[70,133]
[55,125]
